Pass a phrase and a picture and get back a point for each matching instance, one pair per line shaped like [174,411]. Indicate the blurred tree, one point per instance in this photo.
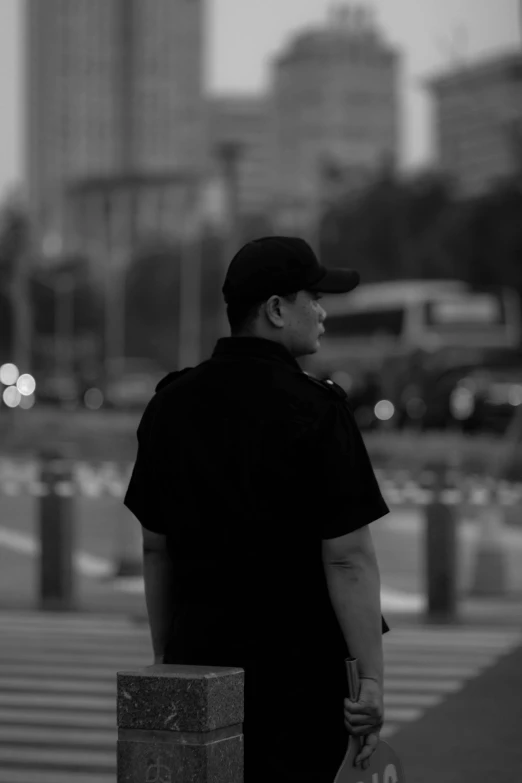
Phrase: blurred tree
[152,298]
[390,230]
[418,227]
[67,289]
[492,231]
[252,226]
[152,305]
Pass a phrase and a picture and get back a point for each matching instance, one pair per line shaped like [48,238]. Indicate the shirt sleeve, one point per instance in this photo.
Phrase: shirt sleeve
[144,491]
[348,493]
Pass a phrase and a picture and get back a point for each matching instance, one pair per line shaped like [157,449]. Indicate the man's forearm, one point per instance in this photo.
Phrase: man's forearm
[158,577]
[355,595]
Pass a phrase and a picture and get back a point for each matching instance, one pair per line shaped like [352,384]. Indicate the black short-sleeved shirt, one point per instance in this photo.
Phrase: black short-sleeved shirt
[246,463]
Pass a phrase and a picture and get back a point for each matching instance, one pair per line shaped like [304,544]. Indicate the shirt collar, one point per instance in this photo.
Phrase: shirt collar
[255,347]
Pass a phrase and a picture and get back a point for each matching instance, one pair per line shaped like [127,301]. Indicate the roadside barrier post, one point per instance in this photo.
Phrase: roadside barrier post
[180,724]
[490,569]
[489,577]
[56,533]
[440,550]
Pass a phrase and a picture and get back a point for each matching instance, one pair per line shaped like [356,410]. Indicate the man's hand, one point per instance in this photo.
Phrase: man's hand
[364,718]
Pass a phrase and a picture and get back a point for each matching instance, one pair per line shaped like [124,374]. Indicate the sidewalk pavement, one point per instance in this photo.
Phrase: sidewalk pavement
[474,736]
[19,589]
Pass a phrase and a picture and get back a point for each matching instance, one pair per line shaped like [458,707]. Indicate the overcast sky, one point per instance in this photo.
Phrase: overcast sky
[244,34]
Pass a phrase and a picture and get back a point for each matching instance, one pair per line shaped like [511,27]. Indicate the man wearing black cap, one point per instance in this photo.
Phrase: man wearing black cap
[255,494]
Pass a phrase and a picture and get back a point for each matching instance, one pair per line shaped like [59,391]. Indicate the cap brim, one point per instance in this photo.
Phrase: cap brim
[337,281]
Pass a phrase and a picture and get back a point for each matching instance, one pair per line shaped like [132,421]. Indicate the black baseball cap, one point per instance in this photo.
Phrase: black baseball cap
[281,265]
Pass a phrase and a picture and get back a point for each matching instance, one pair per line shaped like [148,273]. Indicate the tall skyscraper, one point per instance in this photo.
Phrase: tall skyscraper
[336,110]
[112,86]
[478,121]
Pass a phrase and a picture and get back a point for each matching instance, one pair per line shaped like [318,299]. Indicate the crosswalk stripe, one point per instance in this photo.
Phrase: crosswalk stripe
[403,714]
[48,685]
[411,699]
[11,775]
[66,672]
[96,624]
[21,735]
[466,655]
[77,640]
[58,718]
[389,729]
[487,643]
[112,662]
[57,702]
[393,670]
[124,650]
[103,760]
[462,634]
[423,685]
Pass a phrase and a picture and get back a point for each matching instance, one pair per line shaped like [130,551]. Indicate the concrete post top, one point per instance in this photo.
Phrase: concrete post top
[182,671]
[180,698]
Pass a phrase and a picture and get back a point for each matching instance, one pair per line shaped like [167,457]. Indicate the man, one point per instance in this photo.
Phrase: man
[255,492]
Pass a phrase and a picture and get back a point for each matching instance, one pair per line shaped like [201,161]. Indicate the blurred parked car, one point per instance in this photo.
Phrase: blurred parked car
[131,388]
[474,398]
[61,390]
[134,386]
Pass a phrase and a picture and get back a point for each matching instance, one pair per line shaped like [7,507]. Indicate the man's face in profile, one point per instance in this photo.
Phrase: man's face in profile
[304,324]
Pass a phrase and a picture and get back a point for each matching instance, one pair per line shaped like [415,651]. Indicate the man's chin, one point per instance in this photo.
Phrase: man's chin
[311,349]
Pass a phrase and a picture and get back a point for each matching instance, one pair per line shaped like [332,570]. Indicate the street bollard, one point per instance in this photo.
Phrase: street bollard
[56,533]
[440,551]
[180,724]
[489,577]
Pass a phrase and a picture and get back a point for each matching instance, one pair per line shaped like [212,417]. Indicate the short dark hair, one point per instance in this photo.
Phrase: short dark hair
[241,314]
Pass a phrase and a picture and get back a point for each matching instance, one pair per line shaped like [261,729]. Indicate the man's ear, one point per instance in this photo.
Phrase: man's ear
[273,311]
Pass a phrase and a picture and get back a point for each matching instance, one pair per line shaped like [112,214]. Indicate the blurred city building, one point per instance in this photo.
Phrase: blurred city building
[113,87]
[244,121]
[478,121]
[336,113]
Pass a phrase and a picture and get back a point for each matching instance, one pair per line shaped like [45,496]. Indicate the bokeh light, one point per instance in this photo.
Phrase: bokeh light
[462,403]
[9,374]
[93,399]
[515,395]
[26,384]
[384,410]
[27,401]
[11,397]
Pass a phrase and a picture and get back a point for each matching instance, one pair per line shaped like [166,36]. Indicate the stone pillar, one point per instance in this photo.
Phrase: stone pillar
[56,532]
[180,724]
[440,551]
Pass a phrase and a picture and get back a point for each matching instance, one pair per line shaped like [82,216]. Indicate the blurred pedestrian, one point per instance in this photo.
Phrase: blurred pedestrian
[255,493]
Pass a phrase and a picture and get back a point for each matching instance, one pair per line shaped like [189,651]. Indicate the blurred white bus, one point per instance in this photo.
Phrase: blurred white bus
[379,322]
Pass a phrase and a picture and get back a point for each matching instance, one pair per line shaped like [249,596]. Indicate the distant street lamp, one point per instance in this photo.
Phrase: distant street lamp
[228,156]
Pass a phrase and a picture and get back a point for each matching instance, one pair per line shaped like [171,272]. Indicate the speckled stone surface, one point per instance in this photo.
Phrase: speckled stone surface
[180,724]
[180,698]
[143,762]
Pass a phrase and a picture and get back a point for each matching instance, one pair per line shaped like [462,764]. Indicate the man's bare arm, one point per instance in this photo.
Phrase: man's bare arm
[353,579]
[159,580]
